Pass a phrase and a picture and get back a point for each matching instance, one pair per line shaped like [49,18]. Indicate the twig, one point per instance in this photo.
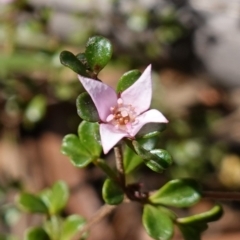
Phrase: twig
[222,196]
[119,164]
[98,216]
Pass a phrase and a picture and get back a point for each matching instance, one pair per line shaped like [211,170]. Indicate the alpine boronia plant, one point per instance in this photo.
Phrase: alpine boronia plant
[122,114]
[121,120]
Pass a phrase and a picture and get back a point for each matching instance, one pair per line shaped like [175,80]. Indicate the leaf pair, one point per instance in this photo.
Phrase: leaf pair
[156,159]
[159,221]
[84,148]
[96,56]
[50,201]
[56,228]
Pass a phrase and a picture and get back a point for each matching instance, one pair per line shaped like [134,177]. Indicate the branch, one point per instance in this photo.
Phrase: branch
[98,216]
[119,164]
[221,196]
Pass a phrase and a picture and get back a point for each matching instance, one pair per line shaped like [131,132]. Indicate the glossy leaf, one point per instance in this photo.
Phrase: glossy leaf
[82,58]
[193,231]
[89,136]
[36,109]
[131,160]
[212,215]
[156,159]
[69,60]
[71,226]
[112,193]
[56,198]
[162,157]
[148,143]
[86,108]
[178,193]
[150,130]
[127,80]
[98,53]
[157,222]
[160,160]
[32,203]
[36,233]
[72,147]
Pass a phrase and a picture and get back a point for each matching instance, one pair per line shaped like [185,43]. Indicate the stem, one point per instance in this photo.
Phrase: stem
[222,196]
[119,165]
[99,215]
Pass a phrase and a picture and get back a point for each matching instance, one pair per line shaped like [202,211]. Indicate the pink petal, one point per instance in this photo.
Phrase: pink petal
[151,116]
[103,96]
[110,136]
[139,95]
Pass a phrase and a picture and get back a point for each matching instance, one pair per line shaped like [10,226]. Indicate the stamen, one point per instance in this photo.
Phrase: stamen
[110,118]
[122,116]
[120,101]
[124,113]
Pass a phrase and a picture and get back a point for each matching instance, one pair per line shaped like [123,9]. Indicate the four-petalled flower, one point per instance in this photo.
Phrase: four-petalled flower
[122,115]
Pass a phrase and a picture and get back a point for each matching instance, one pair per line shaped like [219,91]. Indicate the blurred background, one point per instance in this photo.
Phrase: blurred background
[194,49]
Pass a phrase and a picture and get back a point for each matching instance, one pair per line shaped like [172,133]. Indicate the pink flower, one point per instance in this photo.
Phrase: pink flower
[124,115]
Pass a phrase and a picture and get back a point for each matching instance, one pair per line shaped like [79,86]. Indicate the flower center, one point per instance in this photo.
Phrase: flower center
[122,116]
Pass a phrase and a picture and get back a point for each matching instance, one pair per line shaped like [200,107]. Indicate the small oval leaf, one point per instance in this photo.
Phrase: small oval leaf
[86,108]
[36,109]
[56,197]
[212,215]
[178,193]
[36,233]
[112,193]
[98,53]
[31,203]
[72,147]
[162,157]
[157,223]
[150,130]
[193,231]
[89,136]
[71,226]
[128,79]
[69,60]
[131,160]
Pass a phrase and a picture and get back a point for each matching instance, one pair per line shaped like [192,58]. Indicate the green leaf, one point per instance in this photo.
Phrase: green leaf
[112,193]
[150,130]
[69,60]
[53,227]
[72,147]
[98,53]
[131,160]
[56,198]
[31,203]
[89,136]
[159,161]
[157,222]
[162,157]
[71,226]
[104,166]
[36,233]
[86,108]
[127,79]
[193,231]
[212,215]
[178,193]
[156,159]
[82,58]
[148,143]
[36,109]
